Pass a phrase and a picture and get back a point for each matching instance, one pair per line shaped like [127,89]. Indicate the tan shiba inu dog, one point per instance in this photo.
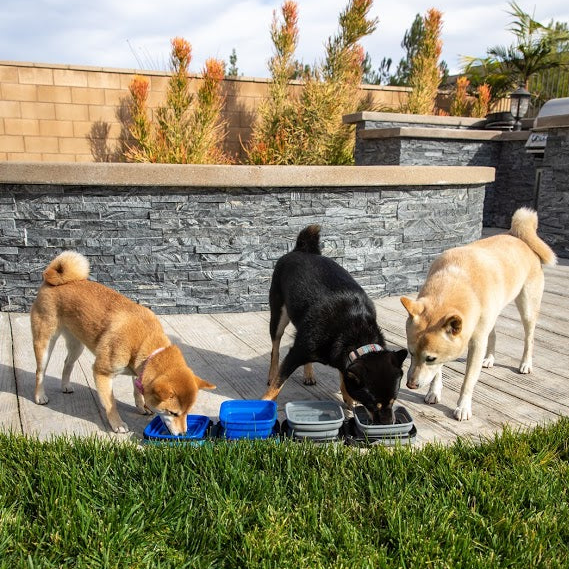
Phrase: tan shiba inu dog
[124,337]
[465,291]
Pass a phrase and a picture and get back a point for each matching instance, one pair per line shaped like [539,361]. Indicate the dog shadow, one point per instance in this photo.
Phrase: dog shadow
[81,412]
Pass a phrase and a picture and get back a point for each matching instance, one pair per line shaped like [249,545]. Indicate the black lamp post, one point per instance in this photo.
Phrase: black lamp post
[519,105]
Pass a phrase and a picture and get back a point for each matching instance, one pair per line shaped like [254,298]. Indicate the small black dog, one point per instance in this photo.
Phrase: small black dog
[335,325]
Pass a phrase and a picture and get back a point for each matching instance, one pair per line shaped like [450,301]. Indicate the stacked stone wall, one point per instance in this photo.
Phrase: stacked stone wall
[203,249]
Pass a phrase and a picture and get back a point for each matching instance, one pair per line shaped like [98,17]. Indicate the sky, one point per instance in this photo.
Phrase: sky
[136,34]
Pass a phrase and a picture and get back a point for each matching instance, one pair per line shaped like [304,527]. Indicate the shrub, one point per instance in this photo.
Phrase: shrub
[460,105]
[482,104]
[184,132]
[425,75]
[308,129]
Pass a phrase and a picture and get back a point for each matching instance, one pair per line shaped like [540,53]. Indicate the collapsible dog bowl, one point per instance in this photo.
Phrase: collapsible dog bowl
[247,418]
[354,437]
[403,423]
[156,430]
[314,416]
[314,436]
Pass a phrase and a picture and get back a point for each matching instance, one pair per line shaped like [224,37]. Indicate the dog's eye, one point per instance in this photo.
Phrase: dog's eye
[430,359]
[173,413]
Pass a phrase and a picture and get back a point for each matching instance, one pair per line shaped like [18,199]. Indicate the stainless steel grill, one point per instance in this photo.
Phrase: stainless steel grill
[554,113]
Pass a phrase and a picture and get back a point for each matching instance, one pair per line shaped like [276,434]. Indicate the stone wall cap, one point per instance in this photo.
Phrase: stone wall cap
[128,71]
[230,176]
[442,133]
[408,118]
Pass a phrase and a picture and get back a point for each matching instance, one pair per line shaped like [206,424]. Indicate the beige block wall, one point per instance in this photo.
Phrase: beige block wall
[52,112]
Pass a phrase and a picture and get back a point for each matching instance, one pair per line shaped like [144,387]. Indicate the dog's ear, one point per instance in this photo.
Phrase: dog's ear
[400,356]
[413,307]
[453,325]
[203,384]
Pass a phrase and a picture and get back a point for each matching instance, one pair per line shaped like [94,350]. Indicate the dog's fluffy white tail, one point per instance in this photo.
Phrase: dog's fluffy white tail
[65,268]
[524,227]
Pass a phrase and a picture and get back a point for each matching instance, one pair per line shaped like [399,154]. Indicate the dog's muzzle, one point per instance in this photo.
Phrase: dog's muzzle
[383,416]
[412,381]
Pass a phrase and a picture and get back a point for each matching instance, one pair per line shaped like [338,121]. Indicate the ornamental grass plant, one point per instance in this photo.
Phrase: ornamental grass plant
[464,103]
[425,74]
[188,128]
[308,129]
[460,105]
[482,104]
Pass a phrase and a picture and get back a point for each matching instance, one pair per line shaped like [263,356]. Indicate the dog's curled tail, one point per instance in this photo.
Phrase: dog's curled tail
[308,240]
[65,268]
[524,227]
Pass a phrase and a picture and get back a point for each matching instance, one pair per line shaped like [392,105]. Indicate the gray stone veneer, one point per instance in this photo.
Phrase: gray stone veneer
[514,186]
[426,151]
[553,192]
[207,249]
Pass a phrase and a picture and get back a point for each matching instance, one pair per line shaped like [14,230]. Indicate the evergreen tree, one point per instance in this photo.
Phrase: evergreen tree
[381,76]
[232,70]
[411,42]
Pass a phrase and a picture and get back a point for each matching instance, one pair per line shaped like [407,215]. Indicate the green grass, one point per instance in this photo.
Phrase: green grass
[91,503]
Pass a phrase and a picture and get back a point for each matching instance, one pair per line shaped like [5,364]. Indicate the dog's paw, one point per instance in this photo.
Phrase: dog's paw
[488,362]
[41,399]
[463,413]
[432,397]
[525,367]
[310,380]
[121,428]
[67,389]
[144,410]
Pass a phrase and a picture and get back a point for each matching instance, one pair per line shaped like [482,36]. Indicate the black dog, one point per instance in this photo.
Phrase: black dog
[335,325]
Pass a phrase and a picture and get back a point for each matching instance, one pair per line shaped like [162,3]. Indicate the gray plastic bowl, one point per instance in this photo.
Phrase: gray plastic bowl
[310,416]
[403,423]
[331,434]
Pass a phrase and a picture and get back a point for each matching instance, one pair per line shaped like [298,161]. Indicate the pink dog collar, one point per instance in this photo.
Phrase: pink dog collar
[368,348]
[138,380]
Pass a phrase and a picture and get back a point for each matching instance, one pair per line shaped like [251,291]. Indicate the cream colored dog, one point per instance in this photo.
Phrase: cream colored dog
[465,291]
[124,337]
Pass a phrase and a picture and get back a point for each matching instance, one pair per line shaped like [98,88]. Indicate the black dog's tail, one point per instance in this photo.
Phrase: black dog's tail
[308,240]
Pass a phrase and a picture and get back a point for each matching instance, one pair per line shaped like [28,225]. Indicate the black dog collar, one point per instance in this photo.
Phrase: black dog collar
[368,348]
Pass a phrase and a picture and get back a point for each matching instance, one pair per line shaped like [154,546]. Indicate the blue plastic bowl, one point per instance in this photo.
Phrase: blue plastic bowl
[156,430]
[247,418]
